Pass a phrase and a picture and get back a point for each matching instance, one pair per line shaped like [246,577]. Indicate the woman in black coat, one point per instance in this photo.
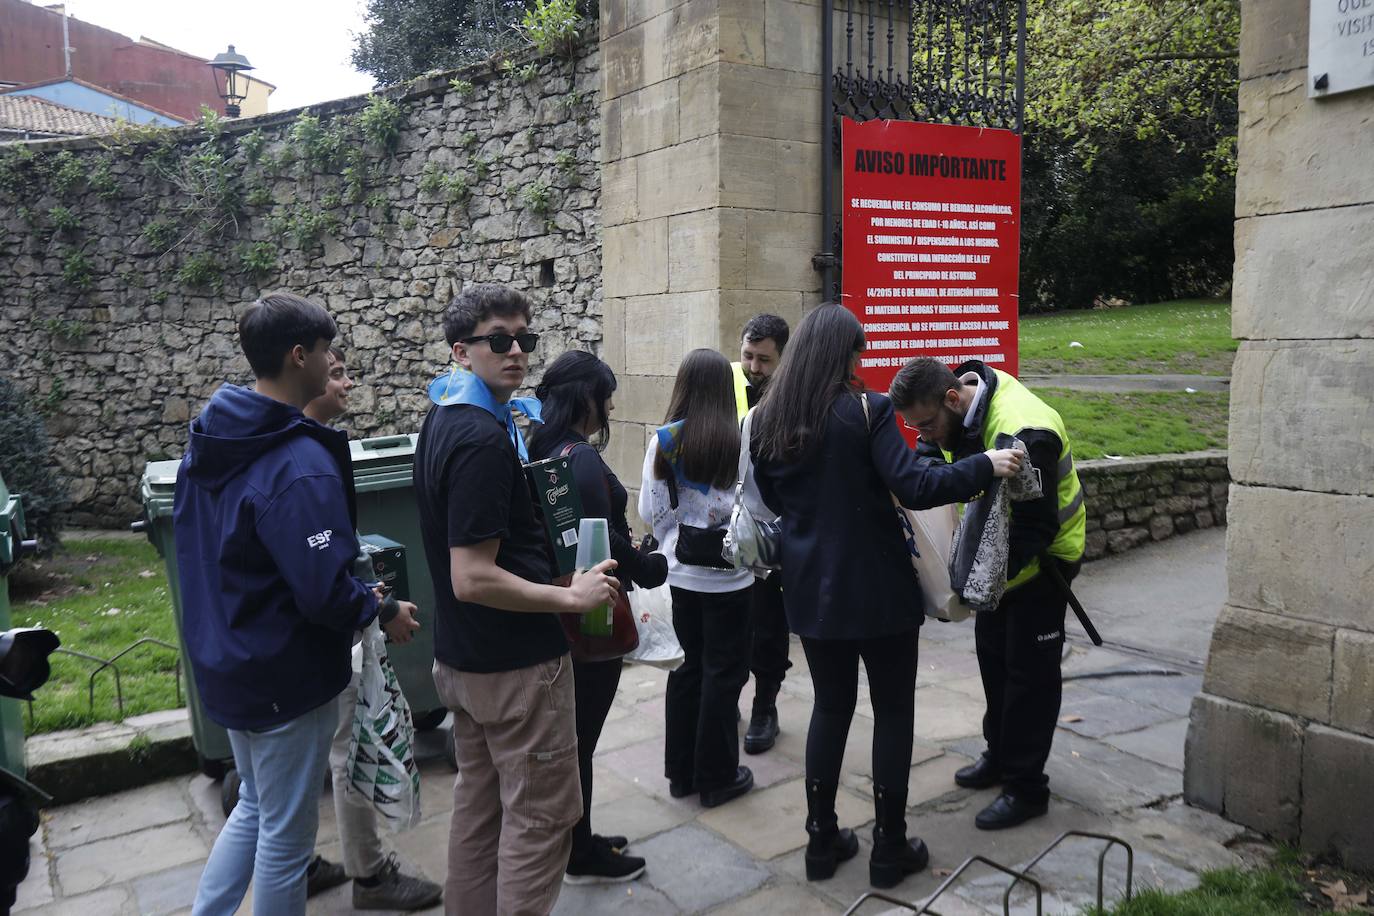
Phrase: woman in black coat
[575,399]
[828,470]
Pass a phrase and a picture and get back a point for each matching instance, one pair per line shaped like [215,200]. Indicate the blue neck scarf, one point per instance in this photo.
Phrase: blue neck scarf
[670,447]
[462,387]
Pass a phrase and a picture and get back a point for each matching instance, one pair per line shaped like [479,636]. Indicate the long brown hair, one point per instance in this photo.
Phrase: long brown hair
[815,370]
[704,398]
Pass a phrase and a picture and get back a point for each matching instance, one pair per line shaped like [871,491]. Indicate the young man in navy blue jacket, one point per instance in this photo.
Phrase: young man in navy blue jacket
[264,520]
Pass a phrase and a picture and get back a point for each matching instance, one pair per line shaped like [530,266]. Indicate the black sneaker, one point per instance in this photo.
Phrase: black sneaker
[323,874]
[394,890]
[603,865]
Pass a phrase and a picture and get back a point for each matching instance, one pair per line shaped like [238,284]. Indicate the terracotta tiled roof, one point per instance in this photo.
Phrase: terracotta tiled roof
[27,112]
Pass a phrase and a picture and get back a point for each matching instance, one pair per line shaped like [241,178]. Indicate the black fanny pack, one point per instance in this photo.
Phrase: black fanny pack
[697,546]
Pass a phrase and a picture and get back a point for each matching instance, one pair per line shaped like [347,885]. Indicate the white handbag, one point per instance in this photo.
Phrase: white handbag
[753,539]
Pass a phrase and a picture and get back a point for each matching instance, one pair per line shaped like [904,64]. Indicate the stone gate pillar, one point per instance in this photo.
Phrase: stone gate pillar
[710,193]
[1282,737]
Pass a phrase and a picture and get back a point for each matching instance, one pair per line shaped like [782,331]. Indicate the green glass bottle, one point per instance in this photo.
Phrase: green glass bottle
[594,546]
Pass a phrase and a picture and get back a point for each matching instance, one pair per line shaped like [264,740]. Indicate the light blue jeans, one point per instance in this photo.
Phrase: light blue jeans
[270,837]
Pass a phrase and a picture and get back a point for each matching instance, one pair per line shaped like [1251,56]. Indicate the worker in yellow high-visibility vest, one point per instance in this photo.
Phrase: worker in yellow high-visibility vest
[1020,643]
[760,351]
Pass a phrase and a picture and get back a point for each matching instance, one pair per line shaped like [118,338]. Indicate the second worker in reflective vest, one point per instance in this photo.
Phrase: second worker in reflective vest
[761,345]
[1020,644]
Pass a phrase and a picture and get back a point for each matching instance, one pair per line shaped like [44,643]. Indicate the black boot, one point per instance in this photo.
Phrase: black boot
[763,722]
[829,845]
[894,857]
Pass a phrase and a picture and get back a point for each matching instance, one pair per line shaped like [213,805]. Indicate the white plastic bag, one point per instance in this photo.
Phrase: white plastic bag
[381,756]
[930,538]
[653,612]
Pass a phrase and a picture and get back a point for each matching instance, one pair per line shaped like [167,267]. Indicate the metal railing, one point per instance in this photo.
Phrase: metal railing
[939,61]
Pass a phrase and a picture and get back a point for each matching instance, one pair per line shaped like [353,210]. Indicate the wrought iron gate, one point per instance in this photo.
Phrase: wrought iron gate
[946,62]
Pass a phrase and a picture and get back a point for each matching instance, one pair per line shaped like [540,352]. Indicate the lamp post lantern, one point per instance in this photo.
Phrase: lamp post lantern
[231,64]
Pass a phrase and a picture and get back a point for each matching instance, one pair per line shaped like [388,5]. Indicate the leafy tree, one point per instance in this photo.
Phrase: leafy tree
[1128,177]
[1152,69]
[407,38]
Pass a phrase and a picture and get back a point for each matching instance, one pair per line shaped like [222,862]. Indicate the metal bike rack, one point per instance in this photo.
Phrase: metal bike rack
[1017,877]
[102,663]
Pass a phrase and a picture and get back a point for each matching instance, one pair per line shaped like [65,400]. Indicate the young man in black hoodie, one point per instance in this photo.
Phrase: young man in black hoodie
[264,519]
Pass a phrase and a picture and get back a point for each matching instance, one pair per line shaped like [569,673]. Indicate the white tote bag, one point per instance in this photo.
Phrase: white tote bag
[929,537]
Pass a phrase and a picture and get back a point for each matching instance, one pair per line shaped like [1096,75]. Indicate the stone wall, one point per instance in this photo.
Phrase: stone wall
[124,263]
[1282,738]
[1141,500]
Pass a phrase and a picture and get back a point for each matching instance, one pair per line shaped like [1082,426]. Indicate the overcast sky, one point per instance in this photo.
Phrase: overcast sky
[301,46]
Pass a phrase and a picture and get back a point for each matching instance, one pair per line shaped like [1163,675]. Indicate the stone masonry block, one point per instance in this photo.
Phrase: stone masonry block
[1273,37]
[635,258]
[694,255]
[792,36]
[1295,153]
[1308,555]
[1319,258]
[1249,650]
[742,31]
[619,15]
[659,330]
[648,118]
[679,179]
[759,102]
[643,398]
[779,247]
[619,192]
[613,334]
[1338,795]
[1287,395]
[1246,764]
[698,103]
[766,174]
[1352,682]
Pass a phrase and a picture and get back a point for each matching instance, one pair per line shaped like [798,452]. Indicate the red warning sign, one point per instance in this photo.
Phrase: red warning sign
[931,218]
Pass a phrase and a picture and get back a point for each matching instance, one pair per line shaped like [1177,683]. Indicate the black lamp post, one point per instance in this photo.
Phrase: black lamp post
[231,64]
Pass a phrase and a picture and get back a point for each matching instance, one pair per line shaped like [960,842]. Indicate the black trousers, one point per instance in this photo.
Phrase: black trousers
[701,746]
[1020,646]
[594,687]
[890,662]
[768,650]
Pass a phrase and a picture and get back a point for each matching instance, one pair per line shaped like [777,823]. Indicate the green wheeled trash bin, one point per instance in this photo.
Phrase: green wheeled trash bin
[12,546]
[215,755]
[382,468]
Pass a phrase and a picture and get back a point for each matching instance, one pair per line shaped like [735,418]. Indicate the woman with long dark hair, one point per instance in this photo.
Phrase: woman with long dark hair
[687,494]
[576,404]
[829,467]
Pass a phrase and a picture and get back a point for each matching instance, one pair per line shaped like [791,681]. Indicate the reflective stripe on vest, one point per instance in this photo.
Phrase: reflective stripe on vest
[1014,408]
[741,390]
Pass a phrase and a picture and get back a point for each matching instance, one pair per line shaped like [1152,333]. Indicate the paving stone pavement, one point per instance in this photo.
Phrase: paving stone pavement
[1116,768]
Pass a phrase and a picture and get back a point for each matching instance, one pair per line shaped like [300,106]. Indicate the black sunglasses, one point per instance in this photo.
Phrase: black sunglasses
[500,343]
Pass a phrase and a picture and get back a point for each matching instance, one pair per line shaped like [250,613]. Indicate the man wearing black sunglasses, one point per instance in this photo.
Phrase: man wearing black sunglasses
[501,659]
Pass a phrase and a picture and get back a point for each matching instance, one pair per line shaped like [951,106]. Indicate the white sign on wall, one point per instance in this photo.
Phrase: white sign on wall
[1340,47]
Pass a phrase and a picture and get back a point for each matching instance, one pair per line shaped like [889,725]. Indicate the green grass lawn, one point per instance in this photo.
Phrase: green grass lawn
[1189,336]
[1140,423]
[1227,892]
[99,597]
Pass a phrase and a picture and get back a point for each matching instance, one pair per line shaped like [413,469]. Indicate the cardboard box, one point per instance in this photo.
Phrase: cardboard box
[560,505]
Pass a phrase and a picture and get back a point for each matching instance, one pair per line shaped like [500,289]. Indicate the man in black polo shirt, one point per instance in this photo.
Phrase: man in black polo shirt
[501,660]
